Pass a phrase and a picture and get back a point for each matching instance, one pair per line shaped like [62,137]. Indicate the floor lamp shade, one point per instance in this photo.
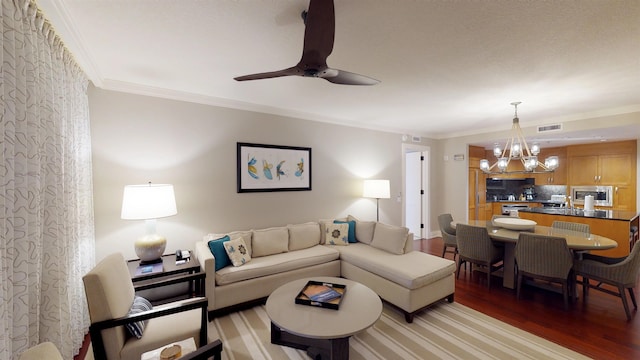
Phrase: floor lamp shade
[377,189]
[149,202]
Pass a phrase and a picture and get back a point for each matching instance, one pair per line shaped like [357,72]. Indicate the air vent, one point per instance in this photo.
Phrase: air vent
[415,138]
[547,128]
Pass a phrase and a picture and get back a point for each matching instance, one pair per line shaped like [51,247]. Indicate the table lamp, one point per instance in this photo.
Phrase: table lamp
[149,202]
[378,189]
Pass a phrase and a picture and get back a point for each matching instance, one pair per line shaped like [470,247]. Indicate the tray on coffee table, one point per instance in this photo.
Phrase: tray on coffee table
[321,294]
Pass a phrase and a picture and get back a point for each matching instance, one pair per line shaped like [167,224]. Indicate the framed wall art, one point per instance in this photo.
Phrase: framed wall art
[273,168]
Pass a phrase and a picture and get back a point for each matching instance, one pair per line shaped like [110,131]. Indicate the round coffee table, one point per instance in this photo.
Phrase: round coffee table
[321,331]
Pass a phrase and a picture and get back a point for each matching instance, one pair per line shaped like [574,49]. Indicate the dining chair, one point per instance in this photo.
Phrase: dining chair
[566,225]
[620,273]
[546,258]
[476,247]
[448,235]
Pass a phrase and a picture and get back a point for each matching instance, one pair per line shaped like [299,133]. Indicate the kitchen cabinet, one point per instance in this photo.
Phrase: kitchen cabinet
[601,169]
[477,185]
[559,176]
[606,164]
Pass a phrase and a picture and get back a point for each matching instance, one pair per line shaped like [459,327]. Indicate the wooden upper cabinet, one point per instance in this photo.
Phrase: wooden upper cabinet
[607,164]
[616,169]
[583,169]
[603,164]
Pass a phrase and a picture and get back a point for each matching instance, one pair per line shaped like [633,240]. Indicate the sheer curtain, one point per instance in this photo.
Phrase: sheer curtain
[46,209]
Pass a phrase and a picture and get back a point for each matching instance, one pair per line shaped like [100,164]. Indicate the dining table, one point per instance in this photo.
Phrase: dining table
[577,242]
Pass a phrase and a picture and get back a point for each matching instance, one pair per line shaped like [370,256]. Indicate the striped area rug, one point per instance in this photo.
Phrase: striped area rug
[444,331]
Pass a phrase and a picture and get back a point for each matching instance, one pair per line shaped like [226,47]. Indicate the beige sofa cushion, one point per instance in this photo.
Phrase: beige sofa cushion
[364,229]
[390,238]
[302,236]
[412,270]
[269,241]
[278,263]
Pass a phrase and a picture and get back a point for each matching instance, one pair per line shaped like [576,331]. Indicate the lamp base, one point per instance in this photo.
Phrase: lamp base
[150,248]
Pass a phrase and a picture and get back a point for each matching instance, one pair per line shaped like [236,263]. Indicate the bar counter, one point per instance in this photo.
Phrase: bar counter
[615,224]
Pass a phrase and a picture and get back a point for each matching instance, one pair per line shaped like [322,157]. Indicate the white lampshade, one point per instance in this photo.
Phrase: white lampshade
[378,189]
[149,201]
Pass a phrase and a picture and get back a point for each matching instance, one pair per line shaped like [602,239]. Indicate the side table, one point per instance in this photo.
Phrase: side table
[170,271]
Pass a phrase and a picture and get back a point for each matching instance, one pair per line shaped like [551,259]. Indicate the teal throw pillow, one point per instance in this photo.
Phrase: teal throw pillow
[352,229]
[218,251]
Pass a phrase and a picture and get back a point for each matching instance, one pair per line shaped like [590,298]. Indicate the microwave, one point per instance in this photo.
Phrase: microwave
[602,195]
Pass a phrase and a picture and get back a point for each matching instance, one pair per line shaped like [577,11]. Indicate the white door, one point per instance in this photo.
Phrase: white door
[416,183]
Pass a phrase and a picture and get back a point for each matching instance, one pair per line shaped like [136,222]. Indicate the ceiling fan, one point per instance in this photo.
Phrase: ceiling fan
[318,44]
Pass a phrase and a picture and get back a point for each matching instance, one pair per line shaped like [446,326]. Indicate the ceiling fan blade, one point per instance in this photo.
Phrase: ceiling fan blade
[273,74]
[347,78]
[319,34]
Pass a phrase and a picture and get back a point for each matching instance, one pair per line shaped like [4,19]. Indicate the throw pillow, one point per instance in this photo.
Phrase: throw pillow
[390,238]
[237,251]
[364,229]
[217,249]
[246,235]
[337,234]
[139,305]
[270,241]
[302,236]
[352,229]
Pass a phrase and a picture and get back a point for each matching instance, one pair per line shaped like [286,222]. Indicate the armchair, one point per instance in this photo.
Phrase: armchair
[110,294]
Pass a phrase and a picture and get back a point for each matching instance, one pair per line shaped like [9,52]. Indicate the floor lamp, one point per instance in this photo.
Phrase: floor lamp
[377,189]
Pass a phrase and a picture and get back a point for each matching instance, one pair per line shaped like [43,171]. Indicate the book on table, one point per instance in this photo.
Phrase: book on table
[321,294]
[149,269]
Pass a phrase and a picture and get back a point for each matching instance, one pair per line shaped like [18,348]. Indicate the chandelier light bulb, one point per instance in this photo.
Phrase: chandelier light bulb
[552,162]
[497,150]
[484,165]
[535,149]
[503,162]
[530,163]
[515,150]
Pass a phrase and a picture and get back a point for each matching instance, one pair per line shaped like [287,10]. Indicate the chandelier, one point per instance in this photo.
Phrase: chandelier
[516,149]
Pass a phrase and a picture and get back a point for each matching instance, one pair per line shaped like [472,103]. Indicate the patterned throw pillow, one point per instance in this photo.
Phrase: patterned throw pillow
[352,229]
[237,251]
[139,305]
[337,234]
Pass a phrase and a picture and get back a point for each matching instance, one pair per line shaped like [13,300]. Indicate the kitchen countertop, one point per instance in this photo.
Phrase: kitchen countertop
[524,201]
[599,214]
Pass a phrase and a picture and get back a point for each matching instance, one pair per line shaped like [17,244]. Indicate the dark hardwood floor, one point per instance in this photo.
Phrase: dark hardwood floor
[598,328]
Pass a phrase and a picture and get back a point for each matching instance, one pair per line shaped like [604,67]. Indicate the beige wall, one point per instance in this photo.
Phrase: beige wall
[137,139]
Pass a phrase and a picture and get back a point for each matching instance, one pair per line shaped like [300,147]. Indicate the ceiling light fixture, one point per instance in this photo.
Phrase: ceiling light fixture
[516,148]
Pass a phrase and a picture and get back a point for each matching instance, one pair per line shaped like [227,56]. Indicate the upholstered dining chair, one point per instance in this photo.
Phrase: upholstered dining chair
[566,225]
[448,235]
[621,273]
[110,296]
[546,258]
[476,247]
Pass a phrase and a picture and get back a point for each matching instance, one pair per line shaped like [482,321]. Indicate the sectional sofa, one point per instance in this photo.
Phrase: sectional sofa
[377,255]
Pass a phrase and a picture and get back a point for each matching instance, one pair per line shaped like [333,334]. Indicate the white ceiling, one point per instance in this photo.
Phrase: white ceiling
[446,67]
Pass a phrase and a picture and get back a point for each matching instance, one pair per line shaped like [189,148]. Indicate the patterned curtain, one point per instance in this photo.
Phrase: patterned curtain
[46,209]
